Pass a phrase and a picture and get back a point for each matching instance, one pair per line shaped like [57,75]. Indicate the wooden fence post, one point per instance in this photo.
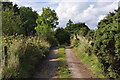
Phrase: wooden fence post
[5,54]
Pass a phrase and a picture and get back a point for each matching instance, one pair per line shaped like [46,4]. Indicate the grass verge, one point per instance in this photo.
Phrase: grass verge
[63,71]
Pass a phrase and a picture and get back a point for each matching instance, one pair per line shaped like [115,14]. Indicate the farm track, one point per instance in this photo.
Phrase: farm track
[78,70]
[48,68]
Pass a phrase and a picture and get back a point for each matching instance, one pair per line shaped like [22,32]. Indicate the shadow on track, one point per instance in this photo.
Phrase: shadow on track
[48,67]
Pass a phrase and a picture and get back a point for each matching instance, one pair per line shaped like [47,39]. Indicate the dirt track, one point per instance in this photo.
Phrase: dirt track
[78,70]
[48,68]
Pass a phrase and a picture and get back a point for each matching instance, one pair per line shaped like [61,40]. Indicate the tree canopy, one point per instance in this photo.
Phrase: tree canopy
[46,22]
[77,28]
[28,18]
[62,36]
[11,20]
[18,20]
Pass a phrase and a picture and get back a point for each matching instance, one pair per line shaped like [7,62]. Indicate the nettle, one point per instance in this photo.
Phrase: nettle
[107,44]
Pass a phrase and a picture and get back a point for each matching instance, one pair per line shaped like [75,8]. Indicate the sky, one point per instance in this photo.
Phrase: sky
[88,11]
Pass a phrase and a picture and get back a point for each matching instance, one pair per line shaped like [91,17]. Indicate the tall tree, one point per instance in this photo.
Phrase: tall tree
[46,22]
[62,36]
[78,28]
[28,17]
[11,21]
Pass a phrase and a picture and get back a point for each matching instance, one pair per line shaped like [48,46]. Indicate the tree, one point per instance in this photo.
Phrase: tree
[18,20]
[11,21]
[62,36]
[7,5]
[78,29]
[28,17]
[46,22]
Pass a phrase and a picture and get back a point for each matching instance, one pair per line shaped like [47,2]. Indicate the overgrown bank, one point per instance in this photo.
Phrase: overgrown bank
[21,55]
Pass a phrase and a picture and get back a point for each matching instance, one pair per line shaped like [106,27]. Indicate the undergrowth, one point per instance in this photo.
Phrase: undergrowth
[21,55]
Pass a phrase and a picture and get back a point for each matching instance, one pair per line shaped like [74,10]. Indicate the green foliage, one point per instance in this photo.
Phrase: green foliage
[47,19]
[43,30]
[18,20]
[46,23]
[9,5]
[77,28]
[107,44]
[11,21]
[90,35]
[62,36]
[28,18]
[23,54]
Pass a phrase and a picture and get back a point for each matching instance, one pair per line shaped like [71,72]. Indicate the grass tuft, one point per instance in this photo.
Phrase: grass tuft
[63,71]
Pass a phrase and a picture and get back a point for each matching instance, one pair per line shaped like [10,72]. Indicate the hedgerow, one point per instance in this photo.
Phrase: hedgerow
[21,55]
[107,44]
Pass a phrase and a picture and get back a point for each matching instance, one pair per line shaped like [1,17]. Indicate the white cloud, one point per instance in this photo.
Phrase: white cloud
[69,10]
[84,12]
